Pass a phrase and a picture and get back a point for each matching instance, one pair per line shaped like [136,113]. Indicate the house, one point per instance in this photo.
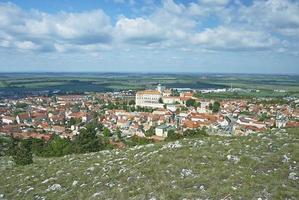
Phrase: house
[57,119]
[249,122]
[122,123]
[292,124]
[167,93]
[281,122]
[39,116]
[189,124]
[23,118]
[162,130]
[173,107]
[161,111]
[8,120]
[83,116]
[58,129]
[25,135]
[204,107]
[170,100]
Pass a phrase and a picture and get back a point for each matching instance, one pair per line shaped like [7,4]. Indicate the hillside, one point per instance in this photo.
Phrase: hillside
[260,166]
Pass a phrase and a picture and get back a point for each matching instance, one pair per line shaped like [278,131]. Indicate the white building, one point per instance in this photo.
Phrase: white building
[149,98]
[162,130]
[171,100]
[161,88]
[8,120]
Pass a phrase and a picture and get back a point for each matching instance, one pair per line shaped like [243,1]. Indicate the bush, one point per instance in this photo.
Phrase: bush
[135,140]
[215,107]
[190,102]
[22,154]
[38,146]
[87,140]
[106,132]
[195,133]
[172,135]
[118,133]
[58,146]
[5,145]
[131,102]
[150,132]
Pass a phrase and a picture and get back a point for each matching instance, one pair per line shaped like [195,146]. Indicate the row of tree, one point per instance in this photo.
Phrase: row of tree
[172,135]
[88,140]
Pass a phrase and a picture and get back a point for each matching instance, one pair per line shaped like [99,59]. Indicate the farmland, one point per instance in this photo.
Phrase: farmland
[91,82]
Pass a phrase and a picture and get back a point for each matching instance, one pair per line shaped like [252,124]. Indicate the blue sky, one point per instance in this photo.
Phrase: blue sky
[233,36]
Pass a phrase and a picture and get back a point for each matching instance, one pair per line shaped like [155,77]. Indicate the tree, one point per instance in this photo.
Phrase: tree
[106,132]
[87,141]
[22,154]
[190,102]
[72,122]
[131,102]
[198,104]
[38,146]
[216,107]
[172,135]
[58,146]
[5,145]
[150,132]
[184,109]
[195,133]
[263,117]
[21,105]
[160,100]
[175,93]
[118,133]
[135,140]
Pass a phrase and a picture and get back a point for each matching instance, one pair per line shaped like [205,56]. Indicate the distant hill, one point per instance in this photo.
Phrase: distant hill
[262,166]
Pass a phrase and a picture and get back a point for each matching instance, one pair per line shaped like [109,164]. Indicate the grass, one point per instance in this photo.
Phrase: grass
[188,168]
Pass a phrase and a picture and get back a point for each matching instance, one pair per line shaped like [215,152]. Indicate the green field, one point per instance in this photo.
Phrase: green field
[251,167]
[85,82]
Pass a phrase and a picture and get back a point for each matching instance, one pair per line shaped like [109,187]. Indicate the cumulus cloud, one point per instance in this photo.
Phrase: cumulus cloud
[223,38]
[35,30]
[138,30]
[214,2]
[204,24]
[281,16]
[27,45]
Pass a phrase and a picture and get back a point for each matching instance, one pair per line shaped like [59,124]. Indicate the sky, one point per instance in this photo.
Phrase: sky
[169,36]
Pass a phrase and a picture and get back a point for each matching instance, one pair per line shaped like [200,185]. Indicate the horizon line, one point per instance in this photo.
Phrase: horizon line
[150,73]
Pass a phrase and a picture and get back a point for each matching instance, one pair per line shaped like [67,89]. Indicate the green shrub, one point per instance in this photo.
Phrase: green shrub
[22,154]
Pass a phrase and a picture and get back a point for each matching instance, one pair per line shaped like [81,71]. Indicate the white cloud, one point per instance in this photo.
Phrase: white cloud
[281,16]
[173,25]
[223,38]
[44,29]
[5,43]
[171,7]
[214,2]
[27,45]
[138,30]
[131,2]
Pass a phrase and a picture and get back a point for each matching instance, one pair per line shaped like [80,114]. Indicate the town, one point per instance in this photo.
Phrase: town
[153,114]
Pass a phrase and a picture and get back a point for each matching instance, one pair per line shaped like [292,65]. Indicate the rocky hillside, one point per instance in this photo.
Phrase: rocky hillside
[260,166]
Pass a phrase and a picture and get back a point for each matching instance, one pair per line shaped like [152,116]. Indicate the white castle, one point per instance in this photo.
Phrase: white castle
[150,98]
